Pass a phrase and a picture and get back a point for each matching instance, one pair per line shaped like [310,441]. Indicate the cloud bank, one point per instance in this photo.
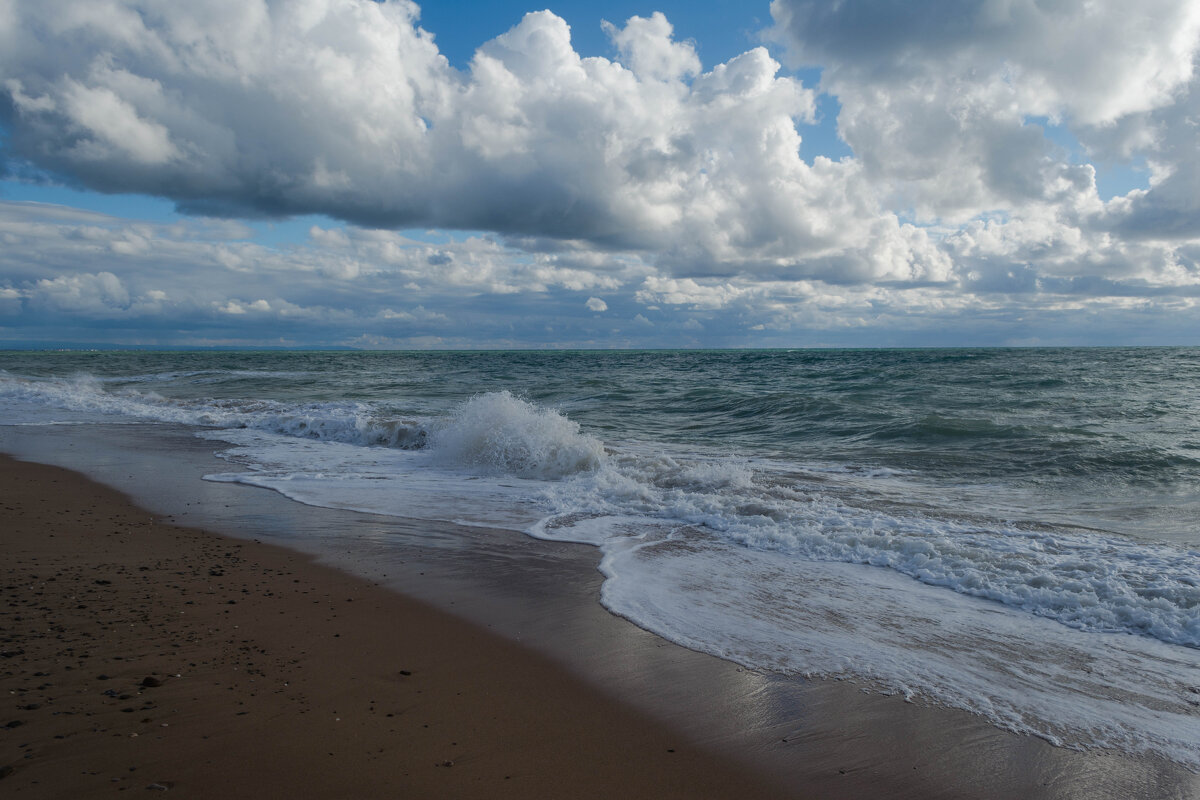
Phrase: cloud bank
[627,186]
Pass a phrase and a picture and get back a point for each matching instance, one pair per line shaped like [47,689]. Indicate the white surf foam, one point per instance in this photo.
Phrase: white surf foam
[1026,674]
[1070,634]
[347,422]
[503,434]
[1090,580]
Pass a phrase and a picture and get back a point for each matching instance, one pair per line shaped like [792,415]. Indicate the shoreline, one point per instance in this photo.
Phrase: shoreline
[828,739]
[142,654]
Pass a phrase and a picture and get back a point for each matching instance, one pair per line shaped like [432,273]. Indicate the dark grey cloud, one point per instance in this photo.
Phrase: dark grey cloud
[68,275]
[942,99]
[1170,138]
[1096,62]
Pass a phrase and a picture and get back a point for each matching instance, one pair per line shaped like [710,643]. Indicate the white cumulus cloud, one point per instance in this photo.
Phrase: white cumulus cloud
[346,108]
[979,132]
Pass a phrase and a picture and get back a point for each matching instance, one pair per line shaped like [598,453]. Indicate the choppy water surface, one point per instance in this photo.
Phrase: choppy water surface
[1013,532]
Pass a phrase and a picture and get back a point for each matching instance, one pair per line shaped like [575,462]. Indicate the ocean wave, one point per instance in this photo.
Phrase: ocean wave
[497,432]
[1084,579]
[494,432]
[199,376]
[1087,580]
[861,515]
[346,422]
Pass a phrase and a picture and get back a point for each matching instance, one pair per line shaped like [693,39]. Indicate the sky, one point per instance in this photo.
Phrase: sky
[796,173]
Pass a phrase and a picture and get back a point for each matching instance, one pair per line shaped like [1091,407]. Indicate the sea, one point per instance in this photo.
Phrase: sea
[1011,532]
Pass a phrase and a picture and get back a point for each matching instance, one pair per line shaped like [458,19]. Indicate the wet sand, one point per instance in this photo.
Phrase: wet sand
[824,739]
[139,655]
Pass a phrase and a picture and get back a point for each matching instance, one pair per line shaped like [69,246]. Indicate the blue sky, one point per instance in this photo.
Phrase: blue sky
[704,174]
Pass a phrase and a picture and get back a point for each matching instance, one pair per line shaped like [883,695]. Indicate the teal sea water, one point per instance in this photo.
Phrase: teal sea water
[1011,532]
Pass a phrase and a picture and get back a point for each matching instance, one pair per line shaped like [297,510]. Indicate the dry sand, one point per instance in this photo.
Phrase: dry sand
[140,655]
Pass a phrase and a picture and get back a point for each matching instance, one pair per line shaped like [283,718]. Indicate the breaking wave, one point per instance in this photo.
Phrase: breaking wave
[497,432]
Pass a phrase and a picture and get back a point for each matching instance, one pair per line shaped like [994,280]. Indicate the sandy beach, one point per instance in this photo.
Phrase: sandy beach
[699,400]
[141,655]
[528,685]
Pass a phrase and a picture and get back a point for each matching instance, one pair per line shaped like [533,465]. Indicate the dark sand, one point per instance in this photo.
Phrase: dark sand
[140,655]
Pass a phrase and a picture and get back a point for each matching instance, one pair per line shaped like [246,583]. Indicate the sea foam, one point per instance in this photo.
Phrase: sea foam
[1083,579]
[500,433]
[1069,633]
[334,421]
